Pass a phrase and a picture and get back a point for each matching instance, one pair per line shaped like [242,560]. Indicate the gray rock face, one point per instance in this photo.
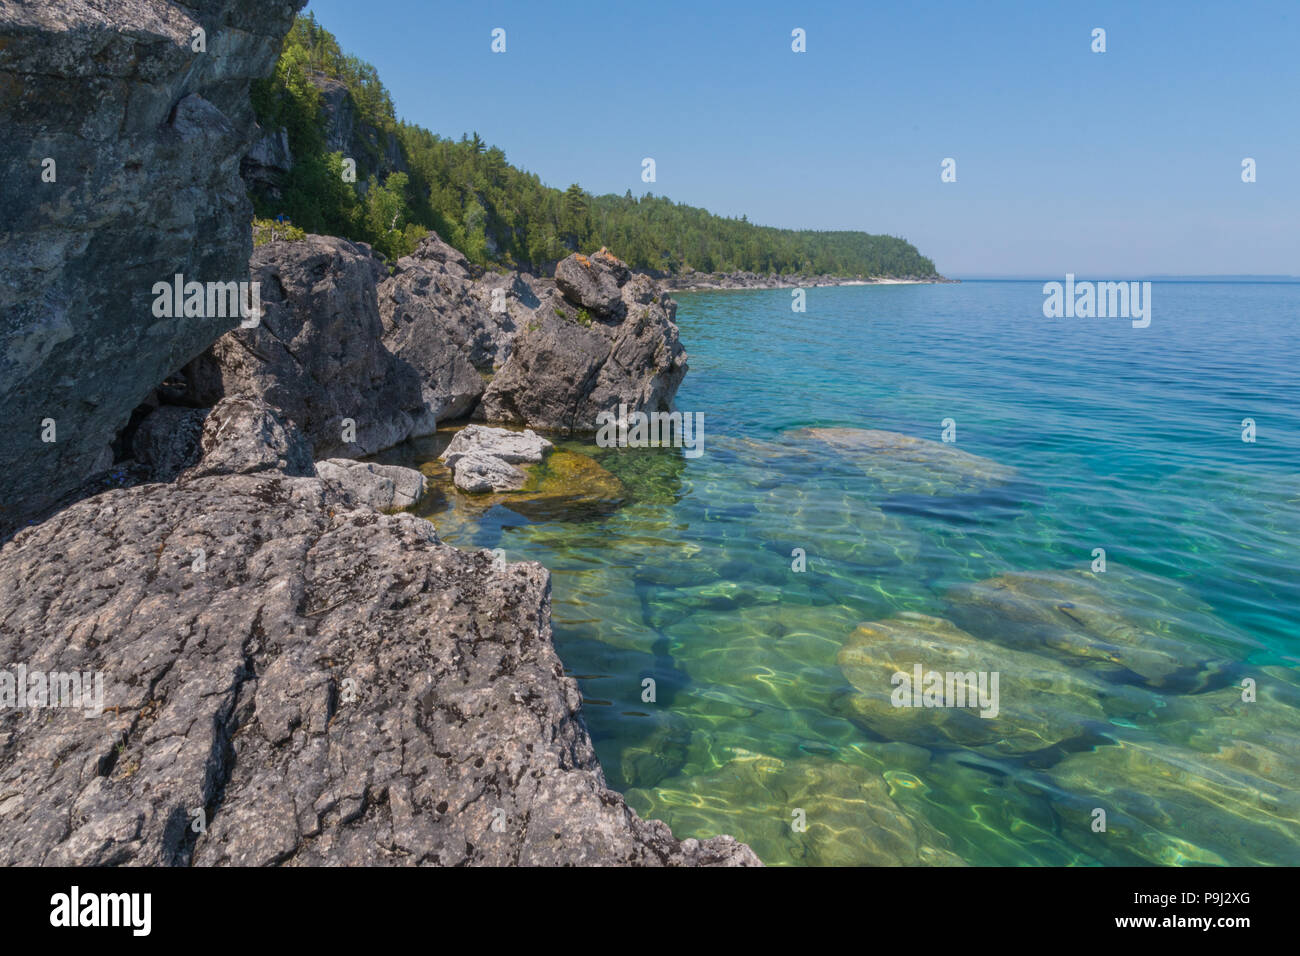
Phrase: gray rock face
[330,686]
[477,473]
[243,436]
[382,487]
[145,135]
[436,321]
[168,440]
[318,353]
[561,374]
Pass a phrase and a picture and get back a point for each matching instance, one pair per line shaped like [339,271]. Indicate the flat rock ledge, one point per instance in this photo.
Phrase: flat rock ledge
[319,684]
[483,459]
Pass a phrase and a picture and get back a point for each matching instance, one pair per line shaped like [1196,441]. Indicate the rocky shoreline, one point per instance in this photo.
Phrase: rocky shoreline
[292,675]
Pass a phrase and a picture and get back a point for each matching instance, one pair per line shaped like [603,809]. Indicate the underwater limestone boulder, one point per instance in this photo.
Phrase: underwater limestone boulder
[382,487]
[1206,778]
[851,819]
[833,525]
[1111,622]
[1036,702]
[903,465]
[1172,805]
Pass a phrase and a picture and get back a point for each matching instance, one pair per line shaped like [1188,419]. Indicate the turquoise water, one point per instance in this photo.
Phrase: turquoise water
[1121,690]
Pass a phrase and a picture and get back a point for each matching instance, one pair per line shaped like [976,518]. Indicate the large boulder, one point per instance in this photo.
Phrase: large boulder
[566,366]
[318,353]
[592,282]
[242,436]
[119,168]
[326,686]
[440,317]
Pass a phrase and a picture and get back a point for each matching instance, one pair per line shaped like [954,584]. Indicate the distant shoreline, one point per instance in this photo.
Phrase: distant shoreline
[730,281]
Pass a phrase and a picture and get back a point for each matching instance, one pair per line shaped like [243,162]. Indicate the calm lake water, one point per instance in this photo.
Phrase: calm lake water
[1120,691]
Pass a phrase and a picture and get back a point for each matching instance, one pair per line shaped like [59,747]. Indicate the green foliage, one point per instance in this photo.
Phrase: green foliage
[495,213]
[267,230]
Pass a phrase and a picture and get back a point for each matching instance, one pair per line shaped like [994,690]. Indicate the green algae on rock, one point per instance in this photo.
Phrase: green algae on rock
[1175,806]
[808,810]
[1037,703]
[904,465]
[1112,622]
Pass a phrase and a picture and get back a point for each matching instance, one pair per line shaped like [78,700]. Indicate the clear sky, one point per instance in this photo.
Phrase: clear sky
[1109,164]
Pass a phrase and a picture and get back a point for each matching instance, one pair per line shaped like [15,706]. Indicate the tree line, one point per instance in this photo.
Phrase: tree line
[409,180]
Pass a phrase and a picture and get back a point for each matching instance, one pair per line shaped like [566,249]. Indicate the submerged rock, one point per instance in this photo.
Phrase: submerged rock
[1112,622]
[329,686]
[850,816]
[904,465]
[1039,702]
[382,487]
[1175,806]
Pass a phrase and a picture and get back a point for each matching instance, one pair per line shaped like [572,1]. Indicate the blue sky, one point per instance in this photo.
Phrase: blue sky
[1109,164]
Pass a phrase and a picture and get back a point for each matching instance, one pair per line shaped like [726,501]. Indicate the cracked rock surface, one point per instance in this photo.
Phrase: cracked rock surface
[334,686]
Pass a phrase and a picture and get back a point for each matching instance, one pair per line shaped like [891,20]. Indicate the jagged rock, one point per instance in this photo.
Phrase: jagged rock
[382,487]
[592,283]
[562,373]
[483,459]
[167,441]
[435,320]
[146,136]
[267,162]
[331,686]
[318,353]
[242,436]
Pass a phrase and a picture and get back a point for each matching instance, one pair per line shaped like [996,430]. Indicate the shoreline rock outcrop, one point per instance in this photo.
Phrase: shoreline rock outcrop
[121,169]
[611,341]
[318,353]
[319,683]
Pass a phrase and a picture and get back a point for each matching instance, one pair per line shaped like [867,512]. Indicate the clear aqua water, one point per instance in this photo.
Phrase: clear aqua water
[1102,435]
